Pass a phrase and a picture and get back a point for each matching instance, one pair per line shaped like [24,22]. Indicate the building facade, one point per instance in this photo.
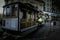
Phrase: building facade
[48,5]
[50,8]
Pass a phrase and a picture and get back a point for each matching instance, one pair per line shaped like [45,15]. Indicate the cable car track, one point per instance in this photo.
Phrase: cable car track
[6,36]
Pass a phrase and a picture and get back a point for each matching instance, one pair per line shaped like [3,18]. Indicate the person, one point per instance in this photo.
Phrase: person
[40,20]
[44,18]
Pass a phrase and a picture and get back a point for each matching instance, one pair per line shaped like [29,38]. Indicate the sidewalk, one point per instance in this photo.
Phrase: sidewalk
[48,25]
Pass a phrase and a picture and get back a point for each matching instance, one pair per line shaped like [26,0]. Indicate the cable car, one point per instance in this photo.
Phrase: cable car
[19,18]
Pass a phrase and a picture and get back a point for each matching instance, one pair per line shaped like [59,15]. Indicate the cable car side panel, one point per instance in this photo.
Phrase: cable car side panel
[10,23]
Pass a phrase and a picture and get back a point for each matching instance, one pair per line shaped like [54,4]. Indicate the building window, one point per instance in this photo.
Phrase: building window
[44,8]
[47,0]
[47,4]
[50,10]
[47,9]
[50,0]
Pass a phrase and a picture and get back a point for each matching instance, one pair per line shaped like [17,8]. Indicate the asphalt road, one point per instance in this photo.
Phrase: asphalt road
[44,33]
[40,34]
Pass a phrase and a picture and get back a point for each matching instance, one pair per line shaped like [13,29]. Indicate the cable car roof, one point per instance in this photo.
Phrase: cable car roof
[24,6]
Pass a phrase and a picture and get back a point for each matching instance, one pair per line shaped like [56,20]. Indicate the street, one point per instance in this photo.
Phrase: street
[44,33]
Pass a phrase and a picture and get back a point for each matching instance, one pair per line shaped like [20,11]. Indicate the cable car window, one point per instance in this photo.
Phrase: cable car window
[8,10]
[11,11]
[3,22]
[27,20]
[4,12]
[14,10]
[0,22]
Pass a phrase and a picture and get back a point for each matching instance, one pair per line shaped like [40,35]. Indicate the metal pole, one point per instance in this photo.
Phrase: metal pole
[18,17]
